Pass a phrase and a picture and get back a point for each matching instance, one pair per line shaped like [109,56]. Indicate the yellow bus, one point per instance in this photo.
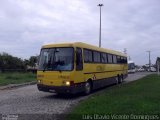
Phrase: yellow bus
[79,67]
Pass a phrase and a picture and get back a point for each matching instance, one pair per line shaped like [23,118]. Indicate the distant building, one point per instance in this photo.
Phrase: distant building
[158,62]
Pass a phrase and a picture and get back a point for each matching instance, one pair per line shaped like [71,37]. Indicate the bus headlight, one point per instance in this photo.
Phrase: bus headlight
[39,81]
[67,83]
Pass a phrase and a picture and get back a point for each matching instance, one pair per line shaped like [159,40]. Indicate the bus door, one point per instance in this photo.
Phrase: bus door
[79,77]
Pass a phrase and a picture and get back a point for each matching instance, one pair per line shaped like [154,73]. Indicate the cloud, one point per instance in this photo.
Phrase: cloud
[25,25]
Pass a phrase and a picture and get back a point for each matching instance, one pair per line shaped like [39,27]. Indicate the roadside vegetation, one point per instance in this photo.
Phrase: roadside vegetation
[138,97]
[14,70]
[11,63]
[16,78]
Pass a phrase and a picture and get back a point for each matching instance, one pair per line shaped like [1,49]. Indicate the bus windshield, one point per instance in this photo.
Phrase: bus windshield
[56,59]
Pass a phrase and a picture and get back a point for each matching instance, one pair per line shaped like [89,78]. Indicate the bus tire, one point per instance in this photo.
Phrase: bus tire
[122,78]
[119,79]
[88,88]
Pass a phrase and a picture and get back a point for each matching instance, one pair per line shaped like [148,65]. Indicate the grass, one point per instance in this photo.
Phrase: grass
[138,97]
[16,78]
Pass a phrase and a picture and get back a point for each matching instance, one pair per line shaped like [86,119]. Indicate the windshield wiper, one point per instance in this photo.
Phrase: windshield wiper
[46,66]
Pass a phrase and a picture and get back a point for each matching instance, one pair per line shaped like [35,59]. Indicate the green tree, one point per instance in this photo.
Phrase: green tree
[33,60]
[9,62]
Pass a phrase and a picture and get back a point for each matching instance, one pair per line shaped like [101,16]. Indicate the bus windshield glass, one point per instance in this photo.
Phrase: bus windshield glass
[56,59]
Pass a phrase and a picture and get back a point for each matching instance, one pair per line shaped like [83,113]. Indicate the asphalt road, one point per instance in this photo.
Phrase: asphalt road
[135,76]
[32,103]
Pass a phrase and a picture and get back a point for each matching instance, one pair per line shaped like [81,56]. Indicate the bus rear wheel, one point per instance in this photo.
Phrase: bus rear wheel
[117,80]
[122,78]
[88,88]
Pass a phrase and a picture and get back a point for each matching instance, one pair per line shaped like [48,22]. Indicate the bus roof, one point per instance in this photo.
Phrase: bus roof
[84,45]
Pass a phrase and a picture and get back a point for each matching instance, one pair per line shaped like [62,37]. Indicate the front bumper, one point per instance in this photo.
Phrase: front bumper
[77,88]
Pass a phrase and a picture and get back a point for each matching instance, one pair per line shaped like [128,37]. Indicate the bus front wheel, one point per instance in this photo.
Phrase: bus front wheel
[88,88]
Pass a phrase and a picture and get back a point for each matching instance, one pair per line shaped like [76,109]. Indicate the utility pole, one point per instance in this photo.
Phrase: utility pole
[100,5]
[149,52]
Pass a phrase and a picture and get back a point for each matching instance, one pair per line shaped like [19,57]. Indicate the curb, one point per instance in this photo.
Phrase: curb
[16,85]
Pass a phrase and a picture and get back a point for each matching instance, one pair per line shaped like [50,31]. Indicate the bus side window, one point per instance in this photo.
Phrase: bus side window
[110,58]
[118,59]
[96,57]
[103,58]
[114,59]
[122,60]
[79,61]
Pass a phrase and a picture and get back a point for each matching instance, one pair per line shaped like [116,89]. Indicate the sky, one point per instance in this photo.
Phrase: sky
[26,25]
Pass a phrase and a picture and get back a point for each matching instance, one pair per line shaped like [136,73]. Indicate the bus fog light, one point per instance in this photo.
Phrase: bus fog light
[67,83]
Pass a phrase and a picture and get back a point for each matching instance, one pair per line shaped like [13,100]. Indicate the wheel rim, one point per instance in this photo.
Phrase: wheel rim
[121,79]
[116,80]
[87,88]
